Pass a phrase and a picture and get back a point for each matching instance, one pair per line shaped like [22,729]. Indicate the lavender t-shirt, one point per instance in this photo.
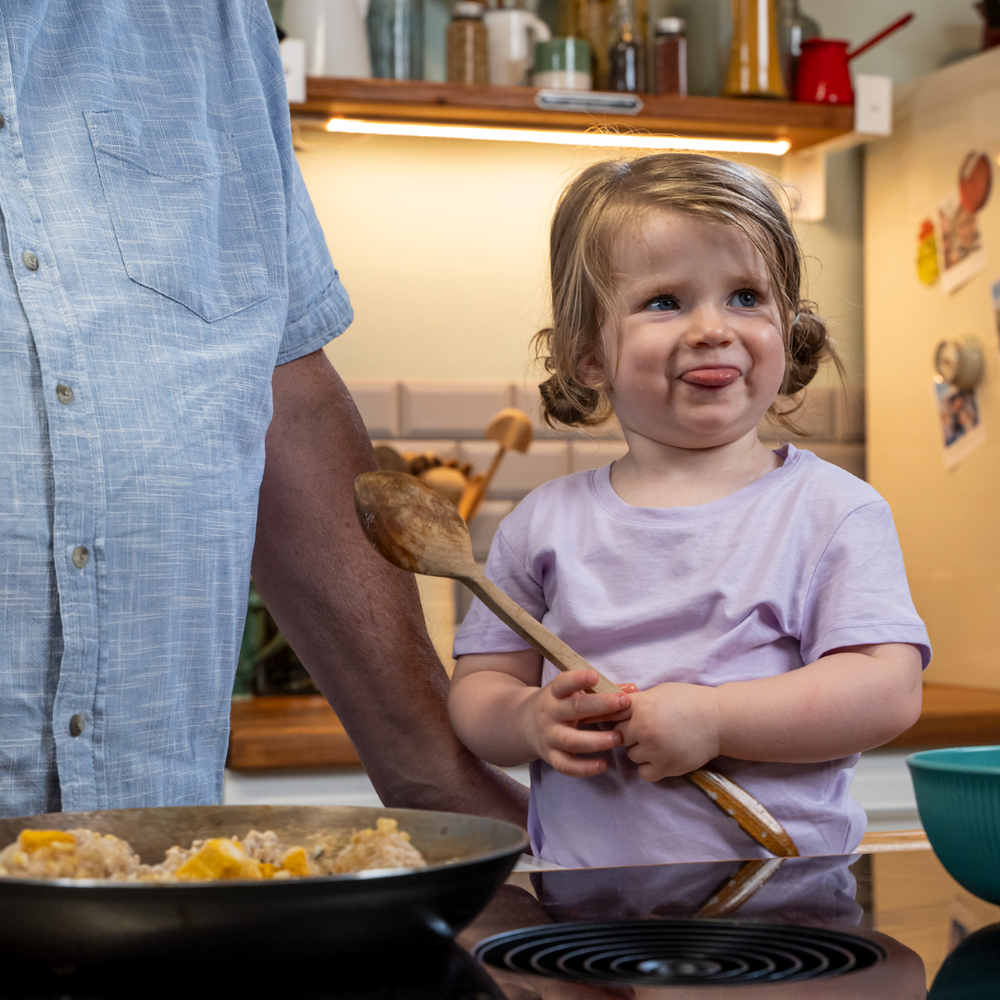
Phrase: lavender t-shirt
[803,561]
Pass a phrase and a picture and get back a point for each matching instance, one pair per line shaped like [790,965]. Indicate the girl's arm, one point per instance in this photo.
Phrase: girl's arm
[849,700]
[501,714]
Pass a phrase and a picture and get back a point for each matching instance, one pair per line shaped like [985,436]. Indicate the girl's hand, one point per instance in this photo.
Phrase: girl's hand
[553,714]
[672,729]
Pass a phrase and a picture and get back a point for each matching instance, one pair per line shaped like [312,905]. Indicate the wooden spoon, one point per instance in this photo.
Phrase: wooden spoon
[417,529]
[511,429]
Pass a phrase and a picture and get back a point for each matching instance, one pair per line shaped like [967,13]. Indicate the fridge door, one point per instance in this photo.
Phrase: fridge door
[948,518]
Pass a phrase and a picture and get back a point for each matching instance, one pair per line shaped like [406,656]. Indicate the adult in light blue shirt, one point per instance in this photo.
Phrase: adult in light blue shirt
[166,288]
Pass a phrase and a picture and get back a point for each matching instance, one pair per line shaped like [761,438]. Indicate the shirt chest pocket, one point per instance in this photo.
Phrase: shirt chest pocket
[180,210]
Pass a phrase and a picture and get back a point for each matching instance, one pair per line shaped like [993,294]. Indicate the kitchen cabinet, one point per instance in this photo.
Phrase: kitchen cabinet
[419,101]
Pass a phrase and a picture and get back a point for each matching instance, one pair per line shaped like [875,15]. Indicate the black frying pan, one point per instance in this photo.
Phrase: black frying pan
[89,923]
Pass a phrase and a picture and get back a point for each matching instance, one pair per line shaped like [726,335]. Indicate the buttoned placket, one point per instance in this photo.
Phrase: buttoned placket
[72,433]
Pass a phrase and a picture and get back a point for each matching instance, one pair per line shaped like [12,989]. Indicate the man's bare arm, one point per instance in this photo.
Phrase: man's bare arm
[353,619]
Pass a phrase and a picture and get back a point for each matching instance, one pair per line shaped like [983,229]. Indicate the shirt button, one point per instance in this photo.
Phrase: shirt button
[64,394]
[77,725]
[80,556]
[30,260]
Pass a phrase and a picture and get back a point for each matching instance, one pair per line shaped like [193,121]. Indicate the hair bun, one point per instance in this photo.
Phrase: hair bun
[568,402]
[809,345]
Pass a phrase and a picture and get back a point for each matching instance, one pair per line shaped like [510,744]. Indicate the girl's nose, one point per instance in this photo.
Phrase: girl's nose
[708,328]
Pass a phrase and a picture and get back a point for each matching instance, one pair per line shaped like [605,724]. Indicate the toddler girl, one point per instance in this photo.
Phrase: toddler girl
[756,598]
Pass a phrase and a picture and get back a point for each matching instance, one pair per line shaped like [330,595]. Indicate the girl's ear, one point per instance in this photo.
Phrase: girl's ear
[591,372]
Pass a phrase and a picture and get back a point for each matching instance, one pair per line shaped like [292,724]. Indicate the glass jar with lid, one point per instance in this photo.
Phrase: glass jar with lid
[466,45]
[670,57]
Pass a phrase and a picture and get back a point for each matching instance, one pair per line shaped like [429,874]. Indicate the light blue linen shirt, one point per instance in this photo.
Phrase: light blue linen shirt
[160,257]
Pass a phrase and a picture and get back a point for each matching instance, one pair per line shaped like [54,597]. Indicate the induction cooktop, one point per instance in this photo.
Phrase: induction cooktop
[776,929]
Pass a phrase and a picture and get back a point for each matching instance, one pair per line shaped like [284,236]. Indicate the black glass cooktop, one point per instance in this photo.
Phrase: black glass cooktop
[795,928]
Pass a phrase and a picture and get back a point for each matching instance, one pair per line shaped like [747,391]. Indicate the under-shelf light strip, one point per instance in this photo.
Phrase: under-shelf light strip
[624,140]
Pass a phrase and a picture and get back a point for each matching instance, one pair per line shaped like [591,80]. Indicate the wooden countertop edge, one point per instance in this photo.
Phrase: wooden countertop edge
[301,732]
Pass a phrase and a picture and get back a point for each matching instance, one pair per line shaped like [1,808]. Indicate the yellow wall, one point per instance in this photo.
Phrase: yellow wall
[442,245]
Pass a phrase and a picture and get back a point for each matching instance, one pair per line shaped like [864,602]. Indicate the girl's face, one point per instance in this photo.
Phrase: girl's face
[696,356]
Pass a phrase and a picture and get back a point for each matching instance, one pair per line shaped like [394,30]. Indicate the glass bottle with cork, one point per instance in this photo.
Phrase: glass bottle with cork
[626,50]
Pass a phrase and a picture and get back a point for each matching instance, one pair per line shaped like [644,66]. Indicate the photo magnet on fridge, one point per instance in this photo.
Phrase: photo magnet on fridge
[961,245]
[960,420]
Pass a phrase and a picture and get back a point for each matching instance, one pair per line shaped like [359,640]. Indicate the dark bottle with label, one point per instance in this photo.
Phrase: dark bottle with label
[626,52]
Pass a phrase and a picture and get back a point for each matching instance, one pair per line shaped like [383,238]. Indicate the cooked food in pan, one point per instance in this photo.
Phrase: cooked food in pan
[86,854]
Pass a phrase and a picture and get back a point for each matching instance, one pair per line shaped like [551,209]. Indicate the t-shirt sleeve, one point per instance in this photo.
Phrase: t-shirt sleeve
[482,631]
[858,594]
[318,306]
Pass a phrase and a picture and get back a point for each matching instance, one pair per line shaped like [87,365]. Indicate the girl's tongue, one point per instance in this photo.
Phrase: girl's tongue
[711,377]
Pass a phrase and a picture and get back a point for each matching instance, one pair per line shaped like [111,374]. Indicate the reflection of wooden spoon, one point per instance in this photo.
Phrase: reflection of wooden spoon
[417,529]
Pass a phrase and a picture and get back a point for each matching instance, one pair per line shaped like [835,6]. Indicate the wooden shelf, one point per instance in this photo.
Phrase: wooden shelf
[302,731]
[803,125]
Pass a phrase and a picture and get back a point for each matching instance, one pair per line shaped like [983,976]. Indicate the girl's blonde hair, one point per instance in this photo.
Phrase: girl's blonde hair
[608,199]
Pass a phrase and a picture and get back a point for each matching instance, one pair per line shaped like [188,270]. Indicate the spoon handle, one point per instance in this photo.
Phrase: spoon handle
[532,631]
[741,806]
[734,801]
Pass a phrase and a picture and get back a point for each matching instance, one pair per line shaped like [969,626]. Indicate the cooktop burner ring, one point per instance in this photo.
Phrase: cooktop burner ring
[678,952]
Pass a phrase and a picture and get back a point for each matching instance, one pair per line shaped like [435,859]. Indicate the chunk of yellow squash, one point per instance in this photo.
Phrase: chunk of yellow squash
[295,862]
[219,858]
[33,840]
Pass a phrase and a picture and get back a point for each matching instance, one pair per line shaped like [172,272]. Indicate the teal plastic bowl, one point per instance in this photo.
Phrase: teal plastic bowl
[958,795]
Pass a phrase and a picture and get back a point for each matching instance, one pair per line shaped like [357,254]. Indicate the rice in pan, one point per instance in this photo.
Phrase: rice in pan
[82,853]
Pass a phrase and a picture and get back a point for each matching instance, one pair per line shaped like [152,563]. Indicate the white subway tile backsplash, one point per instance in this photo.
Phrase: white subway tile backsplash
[518,473]
[594,454]
[484,525]
[849,415]
[451,409]
[378,404]
[445,449]
[849,456]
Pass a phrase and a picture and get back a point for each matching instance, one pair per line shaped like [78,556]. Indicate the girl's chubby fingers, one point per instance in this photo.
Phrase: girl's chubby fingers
[574,703]
[571,740]
[576,767]
[571,682]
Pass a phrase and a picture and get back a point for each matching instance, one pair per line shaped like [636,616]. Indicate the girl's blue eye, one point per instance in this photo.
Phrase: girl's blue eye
[662,303]
[744,298]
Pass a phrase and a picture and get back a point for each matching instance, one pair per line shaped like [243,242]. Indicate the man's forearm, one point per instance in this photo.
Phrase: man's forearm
[354,620]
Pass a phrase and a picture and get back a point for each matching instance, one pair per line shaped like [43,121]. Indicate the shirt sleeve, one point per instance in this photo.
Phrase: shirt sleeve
[858,594]
[482,631]
[318,305]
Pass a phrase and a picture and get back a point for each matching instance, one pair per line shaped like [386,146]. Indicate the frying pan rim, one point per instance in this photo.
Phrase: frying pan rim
[342,877]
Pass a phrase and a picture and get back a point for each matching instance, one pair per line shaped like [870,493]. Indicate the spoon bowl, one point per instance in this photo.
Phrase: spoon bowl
[412,525]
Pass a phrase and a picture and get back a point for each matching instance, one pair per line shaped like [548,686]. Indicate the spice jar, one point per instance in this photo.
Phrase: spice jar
[466,44]
[670,57]
[626,51]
